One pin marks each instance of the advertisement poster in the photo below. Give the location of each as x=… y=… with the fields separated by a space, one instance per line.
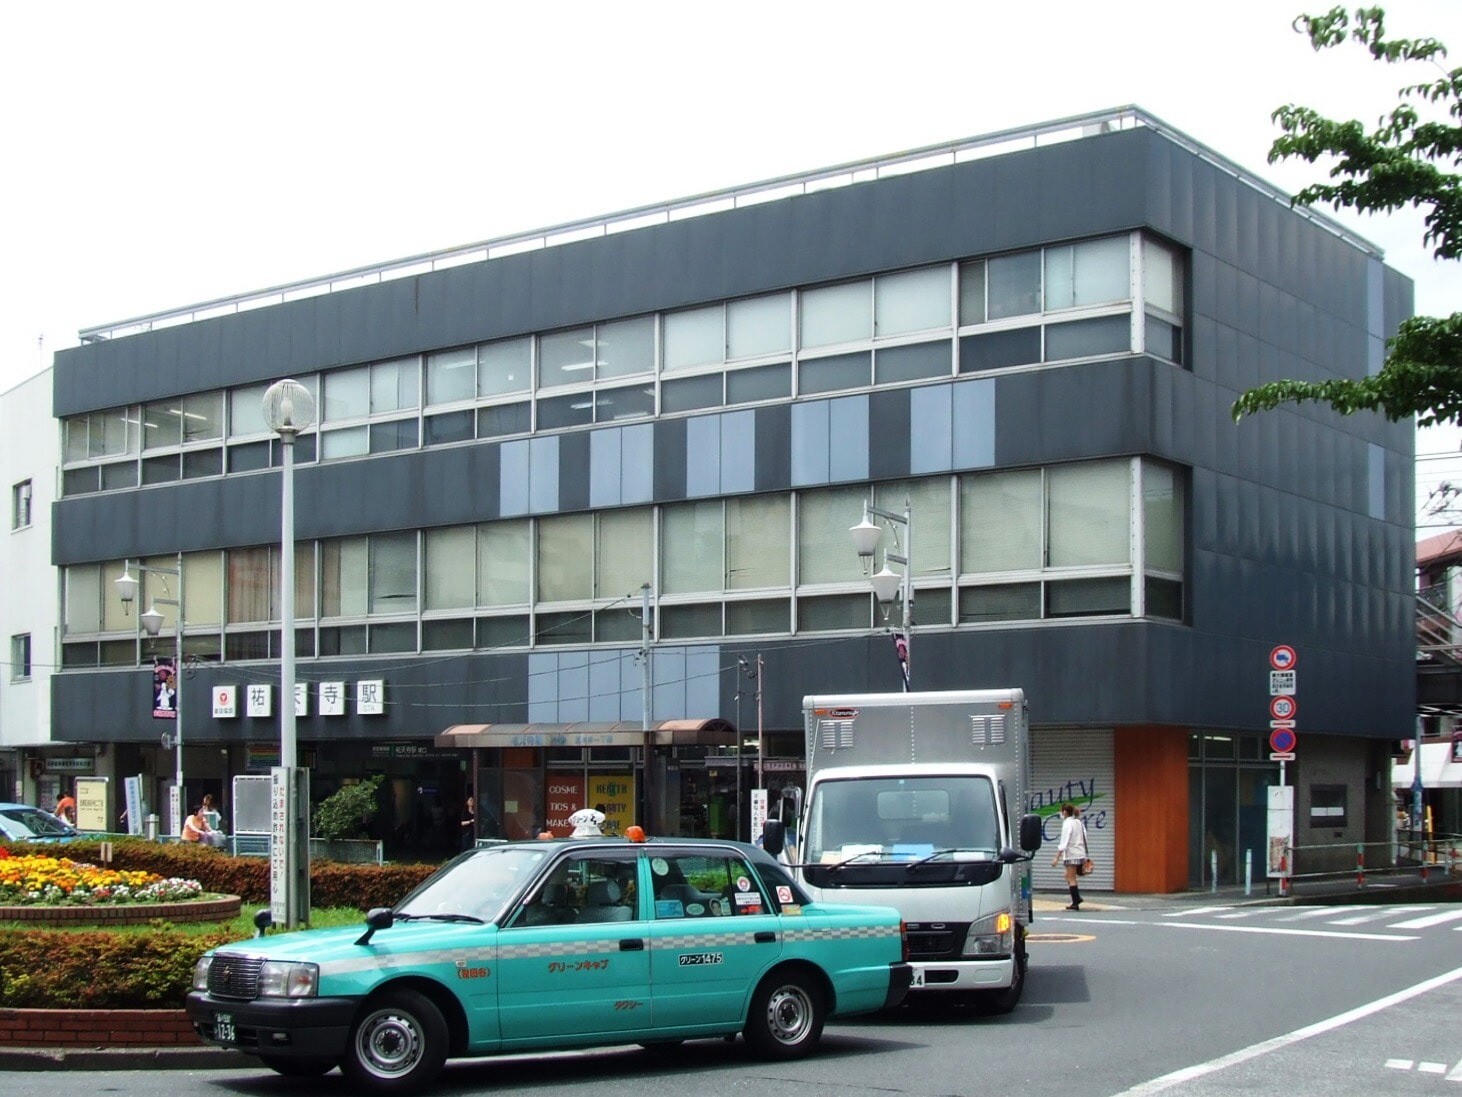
x=614 y=795
x=92 y=804
x=564 y=796
x=1280 y=831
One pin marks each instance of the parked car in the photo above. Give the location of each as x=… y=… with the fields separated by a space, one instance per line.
x=527 y=946
x=23 y=823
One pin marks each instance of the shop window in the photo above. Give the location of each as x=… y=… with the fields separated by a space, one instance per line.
x=1327 y=806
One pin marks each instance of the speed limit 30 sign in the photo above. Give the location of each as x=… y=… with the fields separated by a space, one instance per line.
x=1283 y=707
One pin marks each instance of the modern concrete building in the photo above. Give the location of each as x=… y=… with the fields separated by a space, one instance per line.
x=1031 y=340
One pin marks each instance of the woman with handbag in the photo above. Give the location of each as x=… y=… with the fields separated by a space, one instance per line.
x=1072 y=850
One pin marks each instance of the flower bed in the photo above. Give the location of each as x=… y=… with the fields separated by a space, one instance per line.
x=57 y=881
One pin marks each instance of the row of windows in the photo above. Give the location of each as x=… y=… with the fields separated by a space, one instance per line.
x=1053 y=304
x=1097 y=538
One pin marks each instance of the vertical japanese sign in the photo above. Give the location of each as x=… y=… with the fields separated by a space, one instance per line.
x=758 y=813
x=164 y=690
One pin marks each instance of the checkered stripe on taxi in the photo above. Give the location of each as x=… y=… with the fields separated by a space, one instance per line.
x=401 y=960
x=576 y=947
x=841 y=933
x=708 y=939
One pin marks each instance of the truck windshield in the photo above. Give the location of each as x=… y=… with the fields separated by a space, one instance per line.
x=900 y=818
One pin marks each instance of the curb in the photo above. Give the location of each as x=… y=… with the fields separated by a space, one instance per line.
x=201 y=1058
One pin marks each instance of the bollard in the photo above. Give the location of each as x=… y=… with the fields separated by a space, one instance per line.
x=1213 y=869
x=1284 y=872
x=1248 y=872
x=149 y=827
x=1360 y=865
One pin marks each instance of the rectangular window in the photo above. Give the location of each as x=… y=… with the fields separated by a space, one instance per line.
x=1000 y=520
x=565 y=357
x=759 y=326
x=1087 y=514
x=824 y=552
x=841 y=371
x=912 y=363
x=450 y=568
x=1327 y=806
x=249 y=583
x=1162 y=276
x=1014 y=285
x=1162 y=517
x=972 y=292
x=395 y=386
x=344 y=569
x=837 y=314
x=625 y=347
x=202 y=415
x=20 y=505
x=999 y=349
x=690 y=547
x=691 y=393
x=1096 y=272
x=83 y=599
x=1003 y=602
x=1089 y=598
x=1087 y=338
x=347 y=394
x=695 y=337
x=914 y=300
x=623 y=552
x=745 y=386
x=393 y=572
x=503 y=564
x=246 y=411
x=565 y=547
x=758 y=542
x=451 y=375
x=20 y=657
x=501 y=420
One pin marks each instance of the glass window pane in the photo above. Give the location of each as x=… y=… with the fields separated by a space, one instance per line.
x=451 y=375
x=695 y=337
x=207 y=462
x=1088 y=597
x=1081 y=338
x=394 y=385
x=123 y=474
x=502 y=367
x=1164 y=340
x=629 y=402
x=691 y=547
x=564 y=628
x=246 y=411
x=1014 y=284
x=347 y=394
x=565 y=545
x=841 y=371
x=1162 y=517
x=683 y=622
x=393 y=572
x=504 y=419
x=824 y=548
x=913 y=300
x=454 y=635
x=758 y=542
x=1087 y=514
x=764 y=615
x=202 y=414
x=1162 y=276
x=502 y=632
x=836 y=314
x=203 y=588
x=114 y=432
x=161 y=470
x=617 y=625
x=1164 y=598
x=304 y=582
x=1000 y=522
x=1007 y=602
x=343 y=641
x=80 y=481
x=502 y=564
x=249 y=583
x=744 y=386
x=624 y=552
x=451 y=426
x=566 y=357
x=625 y=347
x=894 y=364
x=691 y=393
x=77 y=431
x=1094 y=272
x=343 y=565
x=928 y=501
x=841 y=611
x=162 y=424
x=451 y=567
x=83 y=598
x=573 y=410
x=758 y=326
x=999 y=349
x=350 y=442
x=116 y=616
x=393 y=637
x=389 y=437
x=972 y=292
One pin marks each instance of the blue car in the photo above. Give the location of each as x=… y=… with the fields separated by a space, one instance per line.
x=23 y=823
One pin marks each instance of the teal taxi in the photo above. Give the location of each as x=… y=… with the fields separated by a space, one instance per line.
x=544 y=945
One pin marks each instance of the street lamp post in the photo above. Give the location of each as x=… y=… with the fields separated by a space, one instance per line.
x=289 y=409
x=151 y=621
x=889 y=584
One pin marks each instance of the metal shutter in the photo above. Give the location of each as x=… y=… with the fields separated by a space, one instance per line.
x=1074 y=764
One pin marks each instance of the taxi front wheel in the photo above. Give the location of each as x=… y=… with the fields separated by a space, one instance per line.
x=397 y=1045
x=786 y=1016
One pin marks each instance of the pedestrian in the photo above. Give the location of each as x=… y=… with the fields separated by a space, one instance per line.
x=211 y=812
x=66 y=808
x=197 y=830
x=1072 y=850
x=545 y=833
x=469 y=821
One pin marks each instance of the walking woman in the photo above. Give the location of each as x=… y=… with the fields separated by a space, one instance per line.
x=1072 y=850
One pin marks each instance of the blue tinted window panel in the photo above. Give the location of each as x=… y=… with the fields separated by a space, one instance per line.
x=772 y=615
x=1166 y=341
x=738 y=451
x=630 y=402
x=573 y=684
x=389 y=437
x=690 y=622
x=604 y=466
x=604 y=686
x=1085 y=338
x=974 y=424
x=703 y=682
x=667 y=696
x=453 y=426
x=691 y=393
x=745 y=386
x=631 y=685
x=513 y=478
x=637 y=463
x=810 y=443
x=124 y=474
x=501 y=420
x=703 y=456
x=573 y=410
x=914 y=363
x=998 y=349
x=848 y=438
x=543 y=475
x=207 y=462
x=246 y=458
x=842 y=371
x=931 y=426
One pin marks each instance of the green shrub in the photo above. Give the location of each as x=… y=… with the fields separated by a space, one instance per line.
x=348 y=811
x=54 y=969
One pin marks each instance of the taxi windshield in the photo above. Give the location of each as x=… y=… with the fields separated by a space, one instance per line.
x=477 y=884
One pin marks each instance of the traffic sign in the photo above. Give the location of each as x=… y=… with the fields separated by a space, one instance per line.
x=1282 y=683
x=1283 y=708
x=1280 y=756
x=1282 y=740
x=1283 y=657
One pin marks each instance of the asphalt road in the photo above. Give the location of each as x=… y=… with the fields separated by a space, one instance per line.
x=1183 y=999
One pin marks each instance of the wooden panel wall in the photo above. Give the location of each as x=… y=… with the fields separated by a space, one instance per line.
x=1152 y=787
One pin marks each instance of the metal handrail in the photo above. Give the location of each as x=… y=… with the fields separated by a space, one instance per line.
x=1438 y=631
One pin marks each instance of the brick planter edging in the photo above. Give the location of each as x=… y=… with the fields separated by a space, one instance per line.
x=96 y=1028
x=220 y=909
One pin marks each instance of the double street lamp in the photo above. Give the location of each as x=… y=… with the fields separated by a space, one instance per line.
x=888 y=584
x=152 y=621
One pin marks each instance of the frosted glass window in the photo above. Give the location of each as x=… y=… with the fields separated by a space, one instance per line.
x=203 y=588
x=116 y=615
x=758 y=542
x=824 y=548
x=929 y=501
x=624 y=552
x=1091 y=273
x=1086 y=514
x=914 y=300
x=565 y=547
x=76 y=445
x=393 y=572
x=696 y=337
x=246 y=411
x=162 y=424
x=451 y=567
x=836 y=314
x=691 y=547
x=502 y=563
x=395 y=386
x=972 y=292
x=451 y=375
x=202 y=414
x=1162 y=517
x=1083 y=338
x=343 y=577
x=249 y=585
x=503 y=367
x=566 y=357
x=1000 y=522
x=350 y=442
x=759 y=325
x=625 y=347
x=1162 y=276
x=1014 y=285
x=83 y=598
x=347 y=394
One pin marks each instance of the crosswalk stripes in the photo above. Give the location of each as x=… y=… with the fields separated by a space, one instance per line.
x=1427 y=920
x=1396 y=918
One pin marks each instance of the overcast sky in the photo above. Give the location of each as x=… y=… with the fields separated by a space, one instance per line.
x=161 y=154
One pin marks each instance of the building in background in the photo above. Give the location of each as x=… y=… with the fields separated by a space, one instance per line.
x=1032 y=340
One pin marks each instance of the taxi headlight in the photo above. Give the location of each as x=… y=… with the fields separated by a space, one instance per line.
x=285 y=979
x=991 y=936
x=200 y=973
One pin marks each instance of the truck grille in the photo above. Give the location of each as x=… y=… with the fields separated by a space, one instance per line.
x=936 y=940
x=231 y=976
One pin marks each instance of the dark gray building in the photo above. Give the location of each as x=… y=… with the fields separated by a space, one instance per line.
x=1036 y=349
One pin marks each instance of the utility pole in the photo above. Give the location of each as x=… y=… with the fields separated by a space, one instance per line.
x=647 y=685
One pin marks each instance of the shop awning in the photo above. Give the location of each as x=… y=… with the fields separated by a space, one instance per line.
x=1438 y=767
x=714 y=732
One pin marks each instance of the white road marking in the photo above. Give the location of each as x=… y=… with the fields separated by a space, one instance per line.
x=1456 y=1075
x=1238 y=914
x=1361 y=919
x=1253 y=1051
x=1313 y=912
x=1273 y=930
x=1192 y=911
x=1399 y=1064
x=1432 y=1068
x=1430 y=920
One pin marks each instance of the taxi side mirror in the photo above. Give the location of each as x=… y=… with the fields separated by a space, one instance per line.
x=1030 y=833
x=774 y=836
x=376 y=918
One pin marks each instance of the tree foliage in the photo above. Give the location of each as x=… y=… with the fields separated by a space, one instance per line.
x=348 y=811
x=1403 y=161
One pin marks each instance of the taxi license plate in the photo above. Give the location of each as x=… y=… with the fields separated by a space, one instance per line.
x=918 y=977
x=223 y=1027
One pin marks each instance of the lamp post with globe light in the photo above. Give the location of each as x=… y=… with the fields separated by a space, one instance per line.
x=888 y=584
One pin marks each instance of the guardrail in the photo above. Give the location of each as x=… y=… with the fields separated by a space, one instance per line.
x=1410 y=853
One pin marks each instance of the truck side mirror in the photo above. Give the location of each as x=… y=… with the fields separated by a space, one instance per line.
x=1030 y=833
x=774 y=836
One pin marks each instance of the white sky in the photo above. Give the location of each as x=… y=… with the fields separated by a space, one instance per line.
x=161 y=154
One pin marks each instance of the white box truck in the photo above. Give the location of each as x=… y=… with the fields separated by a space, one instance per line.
x=917 y=801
